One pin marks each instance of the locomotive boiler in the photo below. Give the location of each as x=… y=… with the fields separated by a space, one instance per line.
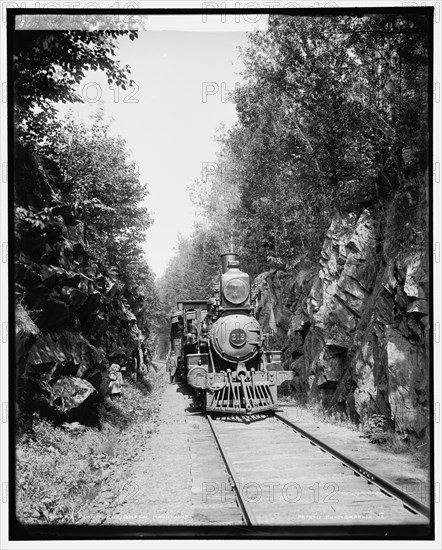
x=220 y=348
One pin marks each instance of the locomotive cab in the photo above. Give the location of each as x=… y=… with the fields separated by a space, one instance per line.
x=187 y=327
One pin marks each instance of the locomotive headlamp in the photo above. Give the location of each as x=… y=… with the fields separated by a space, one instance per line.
x=236 y=291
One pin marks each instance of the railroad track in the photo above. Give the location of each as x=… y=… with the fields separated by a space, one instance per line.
x=159 y=363
x=282 y=475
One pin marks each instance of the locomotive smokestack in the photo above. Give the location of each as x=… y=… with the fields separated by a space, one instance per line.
x=226 y=258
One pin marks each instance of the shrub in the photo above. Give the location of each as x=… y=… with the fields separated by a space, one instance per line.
x=377 y=429
x=59 y=470
x=53 y=474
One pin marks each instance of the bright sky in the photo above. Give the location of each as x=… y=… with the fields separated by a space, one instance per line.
x=168 y=121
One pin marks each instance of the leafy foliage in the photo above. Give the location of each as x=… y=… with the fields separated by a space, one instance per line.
x=76 y=187
x=60 y=471
x=48 y=64
x=376 y=429
x=192 y=274
x=332 y=116
x=91 y=170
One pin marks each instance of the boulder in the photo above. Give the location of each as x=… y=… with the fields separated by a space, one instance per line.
x=98 y=377
x=66 y=351
x=71 y=399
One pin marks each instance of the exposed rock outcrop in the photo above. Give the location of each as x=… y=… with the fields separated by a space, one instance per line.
x=354 y=331
x=72 y=317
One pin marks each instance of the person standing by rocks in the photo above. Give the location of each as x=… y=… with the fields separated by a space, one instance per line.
x=116 y=381
x=172 y=364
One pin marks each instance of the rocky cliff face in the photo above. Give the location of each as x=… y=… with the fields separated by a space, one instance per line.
x=72 y=318
x=355 y=331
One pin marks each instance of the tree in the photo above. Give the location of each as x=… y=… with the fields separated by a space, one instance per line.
x=91 y=170
x=48 y=64
x=193 y=272
x=331 y=117
x=142 y=295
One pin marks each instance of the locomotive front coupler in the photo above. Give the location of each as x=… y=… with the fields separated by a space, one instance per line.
x=241 y=369
x=241 y=374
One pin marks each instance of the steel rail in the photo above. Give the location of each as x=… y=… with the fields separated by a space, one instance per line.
x=383 y=484
x=248 y=514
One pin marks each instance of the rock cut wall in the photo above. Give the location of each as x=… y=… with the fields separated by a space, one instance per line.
x=355 y=331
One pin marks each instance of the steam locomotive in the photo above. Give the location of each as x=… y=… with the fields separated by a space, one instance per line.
x=220 y=350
